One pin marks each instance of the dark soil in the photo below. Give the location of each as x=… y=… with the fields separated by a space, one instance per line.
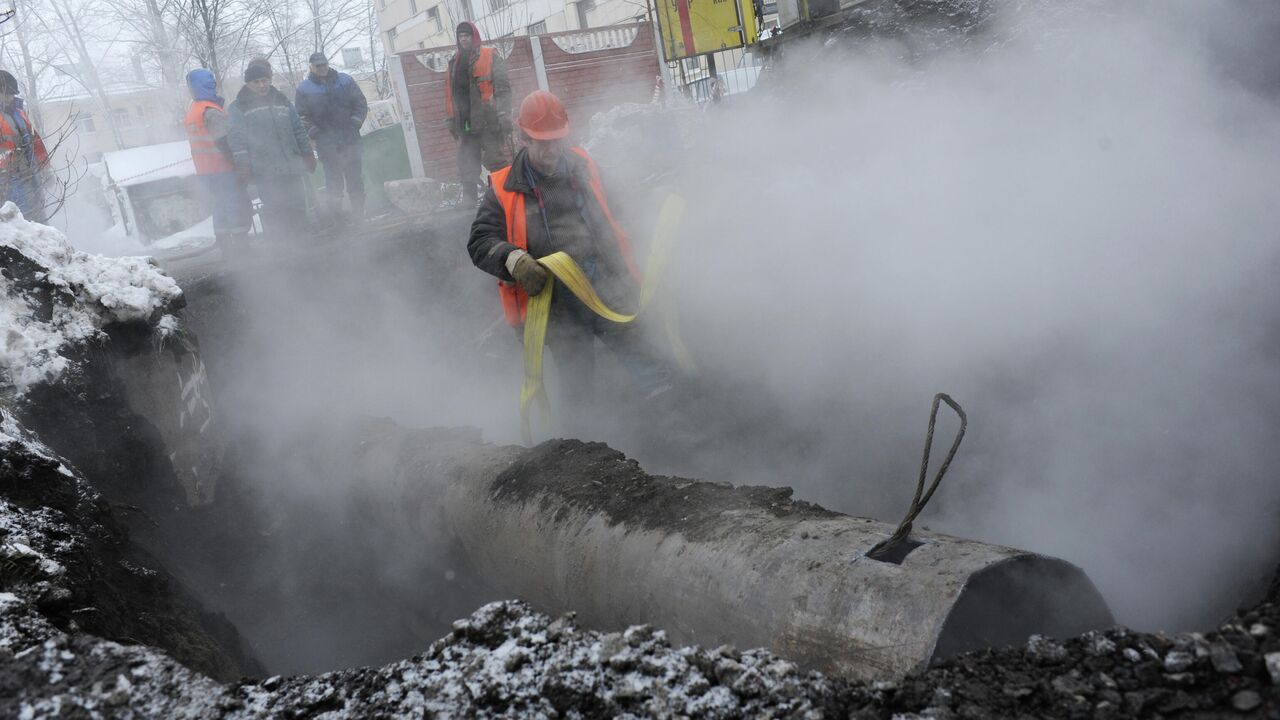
x=111 y=588
x=593 y=476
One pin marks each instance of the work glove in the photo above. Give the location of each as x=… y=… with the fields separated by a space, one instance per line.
x=309 y=159
x=529 y=275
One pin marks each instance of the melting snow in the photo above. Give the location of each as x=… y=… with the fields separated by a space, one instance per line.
x=90 y=291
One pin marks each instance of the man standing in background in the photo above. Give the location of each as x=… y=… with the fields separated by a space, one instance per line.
x=478 y=102
x=271 y=149
x=207 y=127
x=23 y=157
x=332 y=109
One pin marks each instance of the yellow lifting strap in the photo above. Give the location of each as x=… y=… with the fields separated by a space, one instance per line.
x=563 y=268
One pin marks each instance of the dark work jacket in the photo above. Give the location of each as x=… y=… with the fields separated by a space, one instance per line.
x=332 y=108
x=266 y=135
x=466 y=96
x=596 y=249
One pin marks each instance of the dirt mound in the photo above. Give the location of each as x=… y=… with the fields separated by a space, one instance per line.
x=1119 y=673
x=508 y=661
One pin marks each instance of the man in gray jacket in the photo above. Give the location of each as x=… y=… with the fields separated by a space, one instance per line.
x=271 y=149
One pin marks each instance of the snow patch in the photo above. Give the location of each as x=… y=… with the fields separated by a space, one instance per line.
x=90 y=291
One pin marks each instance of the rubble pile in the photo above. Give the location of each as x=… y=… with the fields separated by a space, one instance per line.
x=1233 y=671
x=508 y=661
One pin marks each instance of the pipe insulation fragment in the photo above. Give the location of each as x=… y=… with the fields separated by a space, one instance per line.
x=575 y=526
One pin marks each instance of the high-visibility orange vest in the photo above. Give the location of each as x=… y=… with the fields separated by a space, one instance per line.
x=10 y=139
x=205 y=153
x=481 y=75
x=514 y=300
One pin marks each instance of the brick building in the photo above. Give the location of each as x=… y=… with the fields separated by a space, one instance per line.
x=591 y=71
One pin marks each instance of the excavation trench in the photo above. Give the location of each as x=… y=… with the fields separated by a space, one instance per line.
x=338 y=540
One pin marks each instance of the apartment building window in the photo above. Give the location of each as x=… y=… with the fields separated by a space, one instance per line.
x=433 y=17
x=86 y=125
x=391 y=39
x=496 y=5
x=352 y=57
x=584 y=7
x=538 y=28
x=122 y=118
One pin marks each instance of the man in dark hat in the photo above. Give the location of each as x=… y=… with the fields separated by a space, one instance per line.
x=333 y=108
x=270 y=147
x=23 y=158
x=477 y=99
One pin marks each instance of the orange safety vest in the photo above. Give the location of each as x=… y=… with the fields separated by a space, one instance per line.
x=514 y=300
x=481 y=75
x=9 y=139
x=205 y=153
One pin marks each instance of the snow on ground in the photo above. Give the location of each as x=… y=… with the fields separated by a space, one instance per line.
x=66 y=299
x=197 y=235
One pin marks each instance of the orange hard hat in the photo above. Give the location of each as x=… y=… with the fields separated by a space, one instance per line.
x=542 y=117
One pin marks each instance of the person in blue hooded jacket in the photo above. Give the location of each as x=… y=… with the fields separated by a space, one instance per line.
x=332 y=109
x=208 y=126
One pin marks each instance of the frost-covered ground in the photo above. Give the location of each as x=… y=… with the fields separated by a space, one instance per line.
x=508 y=661
x=55 y=298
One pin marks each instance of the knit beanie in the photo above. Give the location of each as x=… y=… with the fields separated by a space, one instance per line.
x=257 y=70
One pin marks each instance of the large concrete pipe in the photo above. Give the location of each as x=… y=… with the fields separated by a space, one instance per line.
x=573 y=526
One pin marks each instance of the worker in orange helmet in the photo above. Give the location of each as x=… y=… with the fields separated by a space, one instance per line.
x=551 y=199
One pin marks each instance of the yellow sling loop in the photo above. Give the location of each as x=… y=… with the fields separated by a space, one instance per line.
x=563 y=268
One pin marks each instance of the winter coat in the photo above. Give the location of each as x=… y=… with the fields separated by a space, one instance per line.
x=332 y=108
x=467 y=101
x=23 y=160
x=212 y=124
x=597 y=250
x=266 y=136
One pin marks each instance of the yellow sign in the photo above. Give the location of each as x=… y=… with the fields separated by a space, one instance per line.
x=696 y=27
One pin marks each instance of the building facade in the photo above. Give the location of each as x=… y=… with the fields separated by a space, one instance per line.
x=406 y=25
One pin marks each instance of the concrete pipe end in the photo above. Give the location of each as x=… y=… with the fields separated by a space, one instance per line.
x=1008 y=602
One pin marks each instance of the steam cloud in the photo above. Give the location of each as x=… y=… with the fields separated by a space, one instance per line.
x=1069 y=223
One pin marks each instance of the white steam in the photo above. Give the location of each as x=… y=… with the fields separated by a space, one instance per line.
x=1070 y=225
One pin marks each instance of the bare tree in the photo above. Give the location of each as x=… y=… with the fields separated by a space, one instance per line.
x=217 y=30
x=64 y=171
x=75 y=23
x=152 y=28
x=288 y=36
x=27 y=51
x=337 y=23
x=378 y=59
